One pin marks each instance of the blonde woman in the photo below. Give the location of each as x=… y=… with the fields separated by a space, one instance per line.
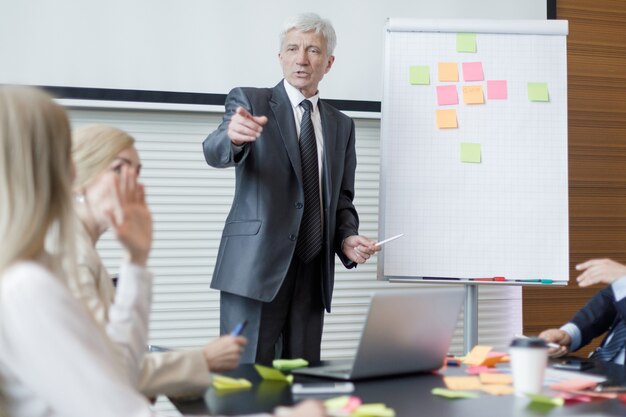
x=100 y=152
x=54 y=359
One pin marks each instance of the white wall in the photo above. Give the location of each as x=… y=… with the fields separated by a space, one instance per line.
x=206 y=46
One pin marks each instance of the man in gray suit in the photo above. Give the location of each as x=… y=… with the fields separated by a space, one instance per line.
x=295 y=162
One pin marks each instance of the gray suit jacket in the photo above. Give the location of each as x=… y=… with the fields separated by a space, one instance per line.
x=260 y=234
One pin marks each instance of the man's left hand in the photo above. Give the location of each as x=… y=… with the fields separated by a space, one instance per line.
x=359 y=248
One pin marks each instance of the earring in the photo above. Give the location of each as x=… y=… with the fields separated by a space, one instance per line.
x=80 y=198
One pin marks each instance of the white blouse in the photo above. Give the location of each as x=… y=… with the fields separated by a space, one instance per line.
x=54 y=359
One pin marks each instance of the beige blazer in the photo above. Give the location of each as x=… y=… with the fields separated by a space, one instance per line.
x=169 y=373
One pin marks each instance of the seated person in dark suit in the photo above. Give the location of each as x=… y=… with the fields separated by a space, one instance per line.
x=606 y=311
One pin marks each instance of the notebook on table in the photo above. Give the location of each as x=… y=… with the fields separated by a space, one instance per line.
x=405 y=331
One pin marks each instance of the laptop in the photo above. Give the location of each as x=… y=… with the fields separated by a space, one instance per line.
x=405 y=331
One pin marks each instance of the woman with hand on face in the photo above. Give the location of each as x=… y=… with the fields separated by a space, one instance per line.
x=101 y=153
x=54 y=359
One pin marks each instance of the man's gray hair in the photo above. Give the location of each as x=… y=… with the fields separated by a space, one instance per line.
x=307 y=22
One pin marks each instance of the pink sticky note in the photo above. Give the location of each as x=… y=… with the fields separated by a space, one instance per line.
x=447 y=95
x=473 y=71
x=496 y=90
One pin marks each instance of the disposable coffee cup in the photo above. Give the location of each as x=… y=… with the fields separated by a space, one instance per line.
x=529 y=358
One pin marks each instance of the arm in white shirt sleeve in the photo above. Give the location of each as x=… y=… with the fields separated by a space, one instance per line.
x=574 y=333
x=619 y=289
x=57 y=351
x=129 y=317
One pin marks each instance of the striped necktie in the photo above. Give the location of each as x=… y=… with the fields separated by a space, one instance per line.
x=310 y=235
x=609 y=351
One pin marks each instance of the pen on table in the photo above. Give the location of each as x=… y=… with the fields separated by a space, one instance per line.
x=550 y=344
x=382 y=242
x=238 y=329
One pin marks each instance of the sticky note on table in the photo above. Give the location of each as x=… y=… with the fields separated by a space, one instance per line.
x=288 y=364
x=466 y=383
x=448 y=71
x=494 y=378
x=498 y=389
x=419 y=75
x=270 y=374
x=446 y=119
x=223 y=383
x=547 y=400
x=473 y=71
x=466 y=42
x=538 y=92
x=478 y=354
x=373 y=410
x=442 y=392
x=470 y=152
x=473 y=94
x=496 y=90
x=447 y=95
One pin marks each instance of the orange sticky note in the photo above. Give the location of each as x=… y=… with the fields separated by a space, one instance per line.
x=446 y=119
x=498 y=389
x=473 y=94
x=494 y=378
x=462 y=383
x=448 y=71
x=494 y=358
x=478 y=355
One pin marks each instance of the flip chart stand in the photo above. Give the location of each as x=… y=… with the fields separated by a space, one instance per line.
x=470 y=318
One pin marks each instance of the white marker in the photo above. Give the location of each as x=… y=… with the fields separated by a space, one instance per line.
x=382 y=242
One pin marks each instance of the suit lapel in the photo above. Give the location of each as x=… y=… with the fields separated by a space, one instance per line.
x=283 y=113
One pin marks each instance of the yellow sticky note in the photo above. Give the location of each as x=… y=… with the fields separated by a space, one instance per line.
x=478 y=354
x=222 y=383
x=446 y=119
x=373 y=410
x=442 y=392
x=538 y=92
x=448 y=71
x=419 y=75
x=270 y=374
x=473 y=94
x=498 y=389
x=462 y=383
x=287 y=364
x=494 y=378
x=470 y=152
x=466 y=42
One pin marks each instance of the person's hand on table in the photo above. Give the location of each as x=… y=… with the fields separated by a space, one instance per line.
x=559 y=337
x=306 y=408
x=224 y=353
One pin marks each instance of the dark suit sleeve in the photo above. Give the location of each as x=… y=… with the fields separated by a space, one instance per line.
x=347 y=219
x=217 y=147
x=597 y=316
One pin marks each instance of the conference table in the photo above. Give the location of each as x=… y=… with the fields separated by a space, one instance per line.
x=409 y=395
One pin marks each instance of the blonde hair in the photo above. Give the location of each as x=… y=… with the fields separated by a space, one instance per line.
x=35 y=175
x=94 y=148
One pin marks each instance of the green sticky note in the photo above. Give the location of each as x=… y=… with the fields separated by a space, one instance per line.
x=547 y=400
x=466 y=42
x=448 y=393
x=470 y=152
x=419 y=75
x=538 y=92
x=270 y=374
x=287 y=364
x=373 y=410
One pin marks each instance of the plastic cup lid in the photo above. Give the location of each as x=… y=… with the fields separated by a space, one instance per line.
x=529 y=342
